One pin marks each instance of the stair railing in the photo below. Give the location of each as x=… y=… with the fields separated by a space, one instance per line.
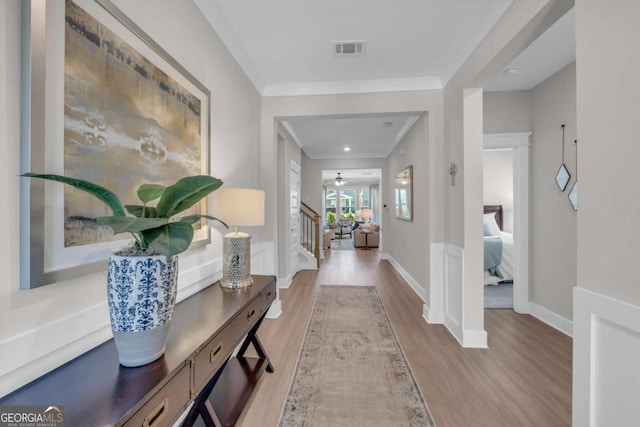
x=310 y=230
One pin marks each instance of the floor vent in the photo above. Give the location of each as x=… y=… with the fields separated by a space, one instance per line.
x=350 y=48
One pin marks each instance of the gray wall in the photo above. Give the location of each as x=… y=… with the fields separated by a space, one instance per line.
x=553 y=221
x=288 y=151
x=40 y=329
x=515 y=118
x=608 y=92
x=408 y=241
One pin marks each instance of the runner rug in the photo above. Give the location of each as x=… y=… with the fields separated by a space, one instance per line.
x=351 y=370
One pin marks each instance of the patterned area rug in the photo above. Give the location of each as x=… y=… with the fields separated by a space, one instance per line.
x=342 y=245
x=351 y=370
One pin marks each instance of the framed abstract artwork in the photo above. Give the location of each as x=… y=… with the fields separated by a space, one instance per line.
x=105 y=103
x=403 y=187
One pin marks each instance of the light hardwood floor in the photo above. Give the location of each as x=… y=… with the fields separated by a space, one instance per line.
x=523 y=379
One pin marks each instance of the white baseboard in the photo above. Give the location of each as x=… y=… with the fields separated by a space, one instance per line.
x=413 y=283
x=431 y=316
x=606 y=349
x=275 y=310
x=552 y=319
x=285 y=282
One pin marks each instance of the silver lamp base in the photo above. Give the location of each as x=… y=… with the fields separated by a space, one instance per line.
x=236 y=264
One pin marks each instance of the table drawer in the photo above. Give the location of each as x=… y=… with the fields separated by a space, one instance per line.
x=220 y=347
x=267 y=296
x=167 y=404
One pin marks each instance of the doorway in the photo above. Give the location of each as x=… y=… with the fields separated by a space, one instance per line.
x=518 y=145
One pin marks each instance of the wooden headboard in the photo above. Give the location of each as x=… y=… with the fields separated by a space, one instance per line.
x=498 y=211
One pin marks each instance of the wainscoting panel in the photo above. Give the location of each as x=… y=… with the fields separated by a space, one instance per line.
x=453 y=304
x=606 y=347
x=434 y=312
x=47 y=346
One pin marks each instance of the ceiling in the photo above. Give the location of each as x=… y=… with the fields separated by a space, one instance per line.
x=286 y=48
x=351 y=177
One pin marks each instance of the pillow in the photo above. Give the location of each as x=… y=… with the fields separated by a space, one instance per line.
x=491 y=225
x=485 y=229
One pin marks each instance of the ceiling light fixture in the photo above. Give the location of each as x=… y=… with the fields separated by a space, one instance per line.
x=339 y=182
x=510 y=71
x=347 y=148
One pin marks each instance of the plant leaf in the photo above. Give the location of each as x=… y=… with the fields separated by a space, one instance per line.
x=170 y=239
x=129 y=224
x=186 y=193
x=149 y=211
x=106 y=196
x=150 y=192
x=192 y=219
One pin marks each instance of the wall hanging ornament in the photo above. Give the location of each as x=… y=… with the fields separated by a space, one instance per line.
x=563 y=176
x=573 y=194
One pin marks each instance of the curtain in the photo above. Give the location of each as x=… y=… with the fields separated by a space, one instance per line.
x=375 y=204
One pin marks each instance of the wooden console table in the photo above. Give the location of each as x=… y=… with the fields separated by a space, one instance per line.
x=198 y=367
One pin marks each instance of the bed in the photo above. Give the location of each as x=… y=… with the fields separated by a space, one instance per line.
x=493 y=224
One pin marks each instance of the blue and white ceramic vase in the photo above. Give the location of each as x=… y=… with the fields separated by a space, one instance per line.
x=141 y=294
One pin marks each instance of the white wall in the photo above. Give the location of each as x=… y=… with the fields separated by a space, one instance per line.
x=42 y=328
x=498 y=183
x=607 y=300
x=553 y=221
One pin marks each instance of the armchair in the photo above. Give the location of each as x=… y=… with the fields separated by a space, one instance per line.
x=343 y=227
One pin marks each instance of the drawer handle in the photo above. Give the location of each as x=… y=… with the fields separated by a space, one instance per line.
x=251 y=313
x=215 y=352
x=154 y=418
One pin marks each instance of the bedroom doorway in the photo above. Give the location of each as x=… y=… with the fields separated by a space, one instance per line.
x=518 y=145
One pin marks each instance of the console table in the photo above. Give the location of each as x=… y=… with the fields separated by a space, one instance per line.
x=197 y=367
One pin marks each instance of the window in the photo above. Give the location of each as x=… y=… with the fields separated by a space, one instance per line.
x=345 y=201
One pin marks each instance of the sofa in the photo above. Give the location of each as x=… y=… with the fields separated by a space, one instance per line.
x=360 y=237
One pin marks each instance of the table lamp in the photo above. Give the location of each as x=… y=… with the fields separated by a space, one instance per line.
x=238 y=207
x=366 y=214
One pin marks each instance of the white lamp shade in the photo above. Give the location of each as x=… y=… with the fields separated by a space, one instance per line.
x=238 y=206
x=366 y=214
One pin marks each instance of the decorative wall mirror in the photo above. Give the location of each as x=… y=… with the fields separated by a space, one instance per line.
x=403 y=184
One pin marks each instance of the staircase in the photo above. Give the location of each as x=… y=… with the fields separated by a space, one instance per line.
x=310 y=238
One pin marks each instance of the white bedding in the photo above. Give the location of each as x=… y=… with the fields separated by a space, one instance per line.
x=506 y=266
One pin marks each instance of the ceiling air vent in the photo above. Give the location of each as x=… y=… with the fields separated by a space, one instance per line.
x=351 y=48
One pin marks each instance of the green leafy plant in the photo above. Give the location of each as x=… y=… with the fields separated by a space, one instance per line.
x=331 y=217
x=349 y=215
x=153 y=227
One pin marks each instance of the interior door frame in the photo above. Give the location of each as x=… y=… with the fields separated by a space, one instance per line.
x=518 y=142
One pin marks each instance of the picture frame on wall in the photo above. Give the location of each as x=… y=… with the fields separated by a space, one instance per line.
x=403 y=189
x=103 y=102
